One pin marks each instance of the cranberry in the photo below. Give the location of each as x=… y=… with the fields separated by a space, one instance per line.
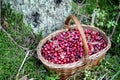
x=67 y=47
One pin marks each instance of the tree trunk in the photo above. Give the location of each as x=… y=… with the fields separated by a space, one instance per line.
x=42 y=15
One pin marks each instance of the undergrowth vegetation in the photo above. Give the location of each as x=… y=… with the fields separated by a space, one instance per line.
x=106 y=15
x=11 y=55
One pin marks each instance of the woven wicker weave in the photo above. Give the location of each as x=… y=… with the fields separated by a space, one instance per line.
x=87 y=61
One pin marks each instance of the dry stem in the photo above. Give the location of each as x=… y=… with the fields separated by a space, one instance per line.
x=115 y=25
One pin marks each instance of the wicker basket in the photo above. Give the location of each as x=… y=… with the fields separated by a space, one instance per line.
x=87 y=61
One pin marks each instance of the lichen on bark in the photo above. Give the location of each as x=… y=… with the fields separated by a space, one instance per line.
x=43 y=15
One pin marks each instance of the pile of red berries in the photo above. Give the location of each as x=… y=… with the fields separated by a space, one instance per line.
x=67 y=47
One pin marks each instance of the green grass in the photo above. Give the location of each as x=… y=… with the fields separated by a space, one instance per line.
x=11 y=56
x=110 y=66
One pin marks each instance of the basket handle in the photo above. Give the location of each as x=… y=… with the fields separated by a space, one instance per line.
x=67 y=25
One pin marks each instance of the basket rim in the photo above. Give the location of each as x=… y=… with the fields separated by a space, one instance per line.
x=80 y=62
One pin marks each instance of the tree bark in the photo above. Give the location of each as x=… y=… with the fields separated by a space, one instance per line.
x=42 y=15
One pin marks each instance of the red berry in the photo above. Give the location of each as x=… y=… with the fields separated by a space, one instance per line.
x=67 y=47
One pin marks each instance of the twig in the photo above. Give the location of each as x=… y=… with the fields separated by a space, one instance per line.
x=12 y=38
x=24 y=48
x=0 y=27
x=32 y=53
x=28 y=51
x=22 y=63
x=93 y=17
x=101 y=78
x=115 y=75
x=115 y=25
x=82 y=2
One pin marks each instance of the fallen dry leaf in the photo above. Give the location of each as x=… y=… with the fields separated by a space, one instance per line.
x=5 y=24
x=24 y=78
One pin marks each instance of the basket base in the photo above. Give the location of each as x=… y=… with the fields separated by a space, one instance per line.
x=65 y=74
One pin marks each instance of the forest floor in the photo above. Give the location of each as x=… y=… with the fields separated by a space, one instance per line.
x=14 y=33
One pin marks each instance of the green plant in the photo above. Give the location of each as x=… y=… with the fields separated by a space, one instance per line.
x=108 y=69
x=11 y=55
x=89 y=75
x=118 y=39
x=110 y=24
x=105 y=19
x=116 y=74
x=52 y=76
x=100 y=18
